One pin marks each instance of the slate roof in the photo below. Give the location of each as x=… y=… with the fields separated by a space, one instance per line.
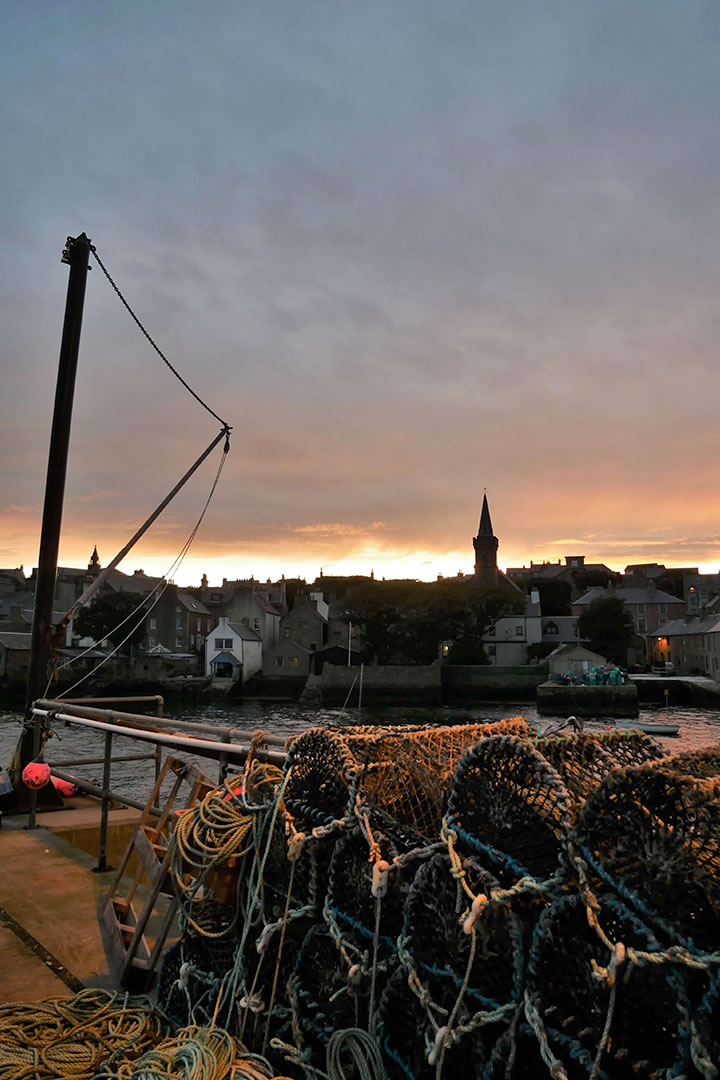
x=225 y=657
x=246 y=633
x=192 y=604
x=266 y=605
x=641 y=595
x=677 y=627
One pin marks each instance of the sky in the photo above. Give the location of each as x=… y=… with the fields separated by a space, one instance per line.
x=410 y=251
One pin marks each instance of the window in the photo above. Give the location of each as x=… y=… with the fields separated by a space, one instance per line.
x=293 y=661
x=663 y=609
x=215 y=597
x=286 y=632
x=256 y=624
x=178 y=610
x=279 y=661
x=152 y=642
x=228 y=642
x=178 y=623
x=219 y=642
x=641 y=609
x=192 y=641
x=197 y=625
x=551 y=628
x=153 y=623
x=178 y=643
x=642 y=626
x=491 y=650
x=491 y=632
x=518 y=631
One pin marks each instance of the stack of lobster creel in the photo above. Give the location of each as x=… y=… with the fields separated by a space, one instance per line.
x=458 y=901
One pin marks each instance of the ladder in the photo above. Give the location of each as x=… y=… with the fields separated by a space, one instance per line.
x=132 y=961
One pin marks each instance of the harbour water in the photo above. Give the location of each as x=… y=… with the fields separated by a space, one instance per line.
x=697 y=728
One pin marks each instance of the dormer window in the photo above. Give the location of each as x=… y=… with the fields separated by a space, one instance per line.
x=551 y=628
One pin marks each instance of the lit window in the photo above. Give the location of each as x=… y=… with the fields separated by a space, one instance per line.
x=293 y=661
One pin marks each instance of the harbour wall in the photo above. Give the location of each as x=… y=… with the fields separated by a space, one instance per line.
x=432 y=684
x=489 y=682
x=554 y=699
x=401 y=684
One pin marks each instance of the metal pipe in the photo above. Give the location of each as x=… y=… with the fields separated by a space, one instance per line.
x=92 y=789
x=76 y=254
x=101 y=760
x=201 y=747
x=104 y=574
x=102 y=864
x=156 y=699
x=158 y=722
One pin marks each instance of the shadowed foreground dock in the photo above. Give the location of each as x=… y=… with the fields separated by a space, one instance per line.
x=50 y=938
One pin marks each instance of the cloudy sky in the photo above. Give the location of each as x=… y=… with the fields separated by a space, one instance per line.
x=409 y=250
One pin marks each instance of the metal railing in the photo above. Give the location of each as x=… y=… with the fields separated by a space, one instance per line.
x=226 y=745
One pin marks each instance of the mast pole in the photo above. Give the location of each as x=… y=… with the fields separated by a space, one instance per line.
x=76 y=255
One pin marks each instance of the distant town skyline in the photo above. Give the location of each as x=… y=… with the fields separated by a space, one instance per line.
x=409 y=250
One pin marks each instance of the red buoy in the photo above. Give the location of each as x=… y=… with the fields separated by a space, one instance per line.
x=36 y=774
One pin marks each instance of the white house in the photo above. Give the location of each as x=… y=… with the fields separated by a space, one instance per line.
x=506 y=642
x=233 y=651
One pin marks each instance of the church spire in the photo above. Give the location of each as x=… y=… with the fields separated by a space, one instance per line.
x=485 y=528
x=486 y=545
x=94 y=564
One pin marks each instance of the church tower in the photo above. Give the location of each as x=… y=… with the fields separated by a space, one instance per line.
x=94 y=564
x=486 y=545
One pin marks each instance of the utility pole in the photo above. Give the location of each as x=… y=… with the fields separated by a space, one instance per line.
x=76 y=255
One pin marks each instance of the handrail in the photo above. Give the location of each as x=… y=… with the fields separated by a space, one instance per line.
x=149 y=730
x=159 y=722
x=201 y=747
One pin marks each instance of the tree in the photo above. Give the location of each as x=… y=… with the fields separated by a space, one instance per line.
x=103 y=616
x=672 y=581
x=555 y=596
x=608 y=626
x=406 y=621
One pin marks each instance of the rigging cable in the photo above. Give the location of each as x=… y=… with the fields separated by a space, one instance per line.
x=146 y=611
x=156 y=347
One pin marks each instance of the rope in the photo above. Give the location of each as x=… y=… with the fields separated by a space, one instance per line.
x=157 y=349
x=174 y=567
x=365 y=1059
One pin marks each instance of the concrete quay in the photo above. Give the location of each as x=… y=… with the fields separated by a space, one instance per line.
x=50 y=898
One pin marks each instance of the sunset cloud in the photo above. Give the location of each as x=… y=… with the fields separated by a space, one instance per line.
x=409 y=250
